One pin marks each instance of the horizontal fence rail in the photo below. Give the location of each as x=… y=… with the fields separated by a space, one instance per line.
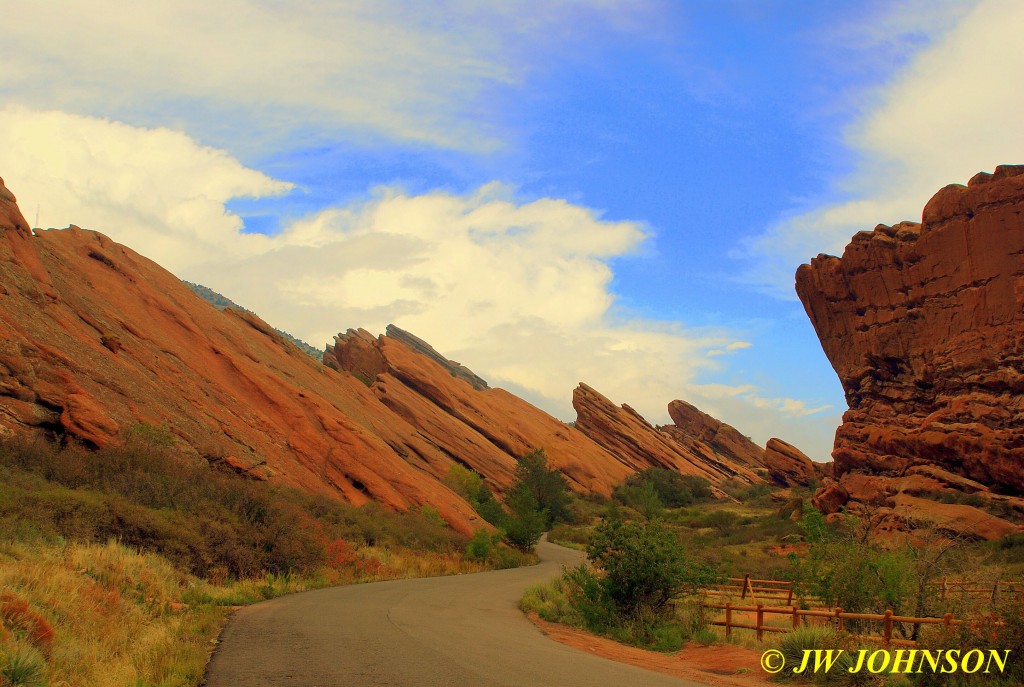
x=836 y=616
x=777 y=597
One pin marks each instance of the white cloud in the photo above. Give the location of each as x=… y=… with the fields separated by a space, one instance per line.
x=951 y=112
x=520 y=291
x=155 y=186
x=249 y=70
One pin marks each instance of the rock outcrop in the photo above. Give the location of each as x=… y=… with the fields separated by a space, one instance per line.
x=691 y=424
x=469 y=423
x=640 y=444
x=95 y=338
x=924 y=324
x=787 y=465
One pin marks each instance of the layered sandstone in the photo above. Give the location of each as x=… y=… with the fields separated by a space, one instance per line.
x=468 y=422
x=640 y=445
x=787 y=465
x=690 y=424
x=924 y=324
x=95 y=338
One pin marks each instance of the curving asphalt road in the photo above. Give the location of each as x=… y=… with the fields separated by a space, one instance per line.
x=460 y=631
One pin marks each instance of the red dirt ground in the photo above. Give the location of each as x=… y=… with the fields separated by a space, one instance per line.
x=723 y=665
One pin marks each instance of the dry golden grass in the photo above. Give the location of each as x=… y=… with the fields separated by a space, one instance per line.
x=123 y=618
x=116 y=615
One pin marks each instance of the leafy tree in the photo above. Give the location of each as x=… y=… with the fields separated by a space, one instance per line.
x=644 y=565
x=488 y=508
x=547 y=486
x=527 y=521
x=464 y=482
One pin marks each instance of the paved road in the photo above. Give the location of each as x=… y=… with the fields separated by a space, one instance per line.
x=461 y=631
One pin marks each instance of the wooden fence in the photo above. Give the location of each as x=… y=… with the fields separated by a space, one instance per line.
x=766 y=592
x=781 y=592
x=949 y=589
x=777 y=597
x=836 y=616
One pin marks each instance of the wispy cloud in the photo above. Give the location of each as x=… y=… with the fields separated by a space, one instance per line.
x=252 y=70
x=950 y=112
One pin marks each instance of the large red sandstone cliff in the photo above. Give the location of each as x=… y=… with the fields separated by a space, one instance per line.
x=95 y=338
x=924 y=324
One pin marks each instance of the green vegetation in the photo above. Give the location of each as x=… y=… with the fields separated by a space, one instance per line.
x=657 y=488
x=547 y=487
x=117 y=566
x=537 y=499
x=638 y=569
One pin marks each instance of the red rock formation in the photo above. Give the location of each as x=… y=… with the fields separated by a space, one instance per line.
x=924 y=325
x=787 y=465
x=226 y=384
x=95 y=338
x=640 y=445
x=725 y=440
x=482 y=428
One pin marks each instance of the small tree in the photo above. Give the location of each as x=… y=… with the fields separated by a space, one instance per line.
x=488 y=508
x=526 y=523
x=547 y=486
x=644 y=565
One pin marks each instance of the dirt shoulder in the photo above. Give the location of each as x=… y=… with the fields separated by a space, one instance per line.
x=722 y=665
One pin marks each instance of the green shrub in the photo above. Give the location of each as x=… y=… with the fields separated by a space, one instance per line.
x=644 y=565
x=21 y=665
x=673 y=489
x=480 y=546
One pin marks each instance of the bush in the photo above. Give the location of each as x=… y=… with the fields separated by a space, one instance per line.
x=21 y=665
x=480 y=546
x=641 y=497
x=673 y=489
x=644 y=565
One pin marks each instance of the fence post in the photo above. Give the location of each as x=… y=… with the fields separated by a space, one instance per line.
x=789 y=601
x=839 y=619
x=995 y=592
x=888 y=627
x=760 y=621
x=948 y=618
x=746 y=583
x=728 y=618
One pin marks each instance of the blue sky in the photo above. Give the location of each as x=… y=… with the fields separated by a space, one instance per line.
x=610 y=192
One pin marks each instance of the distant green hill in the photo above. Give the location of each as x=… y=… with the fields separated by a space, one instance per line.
x=220 y=301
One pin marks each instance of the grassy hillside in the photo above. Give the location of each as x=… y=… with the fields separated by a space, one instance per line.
x=117 y=567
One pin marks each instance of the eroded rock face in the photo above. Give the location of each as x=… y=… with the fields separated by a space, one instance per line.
x=469 y=423
x=640 y=445
x=95 y=338
x=725 y=440
x=787 y=465
x=924 y=324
